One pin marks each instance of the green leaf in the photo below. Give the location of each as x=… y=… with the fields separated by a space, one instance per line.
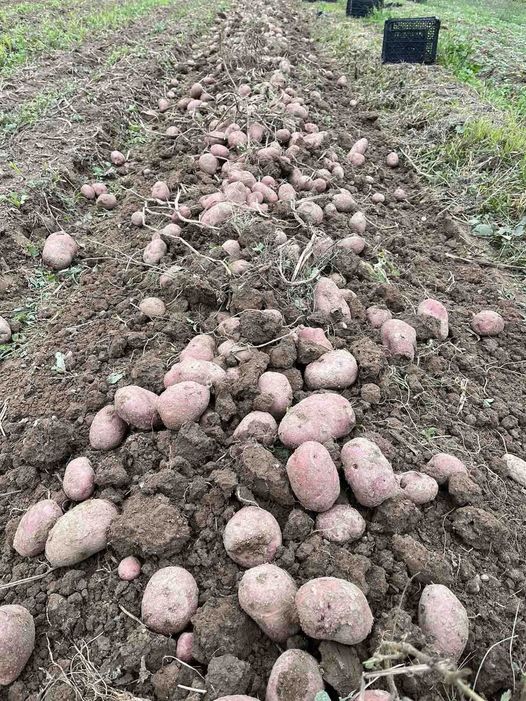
x=322 y=696
x=483 y=230
x=506 y=696
x=114 y=377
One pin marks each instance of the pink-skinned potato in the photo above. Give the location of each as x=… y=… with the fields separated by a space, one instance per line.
x=353 y=243
x=435 y=311
x=358 y=223
x=79 y=479
x=360 y=146
x=217 y=214
x=443 y=620
x=236 y=192
x=152 y=307
x=245 y=177
x=328 y=298
x=286 y=192
x=487 y=323
x=336 y=369
x=334 y=609
x=442 y=465
x=341 y=524
x=313 y=476
x=399 y=338
x=106 y=201
x=418 y=487
x=311 y=334
x=59 y=250
x=182 y=402
x=319 y=417
x=377 y=316
x=344 y=201
x=368 y=472
x=34 y=526
x=208 y=163
x=185 y=647
x=295 y=676
x=160 y=191
x=129 y=569
x=169 y=600
x=259 y=426
x=266 y=594
x=154 y=251
x=310 y=211
x=137 y=407
x=200 y=347
x=278 y=387
x=202 y=371
x=252 y=536
x=17 y=641
x=107 y=430
x=355 y=158
x=80 y=533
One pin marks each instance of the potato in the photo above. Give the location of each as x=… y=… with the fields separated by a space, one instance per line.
x=184 y=649
x=313 y=476
x=314 y=140
x=202 y=371
x=311 y=212
x=252 y=536
x=59 y=250
x=167 y=278
x=107 y=429
x=88 y=192
x=286 y=192
x=99 y=188
x=319 y=185
x=377 y=316
x=17 y=641
x=341 y=524
x=163 y=104
x=338 y=172
x=435 y=311
x=268 y=193
x=106 y=201
x=160 y=191
x=358 y=222
x=278 y=387
x=334 y=609
x=516 y=468
x=129 y=569
x=283 y=136
x=399 y=338
x=368 y=472
x=194 y=106
x=356 y=159
x=443 y=620
x=229 y=328
x=377 y=198
x=442 y=466
x=237 y=697
x=232 y=247
x=328 y=298
x=256 y=131
x=80 y=533
x=259 y=426
x=360 y=146
x=152 y=307
x=215 y=137
x=138 y=407
x=138 y=219
x=208 y=163
x=295 y=676
x=417 y=487
x=196 y=90
x=79 y=479
x=266 y=594
x=219 y=151
x=169 y=600
x=172 y=132
x=373 y=695
x=297 y=110
x=5 y=330
x=217 y=214
x=336 y=369
x=200 y=347
x=210 y=200
x=344 y=201
x=319 y=417
x=242 y=176
x=269 y=181
x=33 y=529
x=237 y=139
x=154 y=251
x=392 y=159
x=400 y=194
x=117 y=158
x=311 y=335
x=182 y=402
x=487 y=323
x=355 y=243
x=238 y=267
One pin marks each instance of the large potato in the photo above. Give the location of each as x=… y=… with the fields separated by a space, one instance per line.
x=79 y=479
x=442 y=466
x=59 y=250
x=341 y=524
x=334 y=609
x=295 y=676
x=313 y=476
x=252 y=536
x=202 y=371
x=399 y=338
x=334 y=370
x=80 y=533
x=169 y=600
x=320 y=417
x=368 y=472
x=328 y=299
x=443 y=620
x=107 y=429
x=17 y=641
x=266 y=593
x=259 y=426
x=278 y=387
x=138 y=407
x=33 y=529
x=487 y=323
x=185 y=401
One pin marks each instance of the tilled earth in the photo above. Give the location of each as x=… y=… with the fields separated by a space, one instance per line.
x=177 y=489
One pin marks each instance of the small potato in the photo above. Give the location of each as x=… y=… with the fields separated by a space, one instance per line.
x=417 y=487
x=194 y=106
x=217 y=214
x=286 y=193
x=99 y=188
x=238 y=267
x=106 y=201
x=229 y=328
x=59 y=250
x=319 y=417
x=185 y=646
x=516 y=468
x=200 y=371
x=297 y=110
x=487 y=323
x=154 y=252
x=328 y=298
x=400 y=194
x=399 y=338
x=368 y=472
x=88 y=192
x=80 y=533
x=138 y=218
x=313 y=476
x=172 y=132
x=269 y=181
x=344 y=202
x=435 y=311
x=311 y=212
x=256 y=131
x=283 y=136
x=237 y=697
x=237 y=139
x=392 y=159
x=5 y=330
x=358 y=222
x=219 y=151
x=268 y=154
x=360 y=146
x=315 y=140
x=169 y=600
x=152 y=307
x=266 y=594
x=252 y=536
x=79 y=479
x=182 y=402
x=259 y=426
x=242 y=176
x=373 y=695
x=443 y=620
x=200 y=347
x=232 y=247
x=163 y=104
x=341 y=524
x=442 y=466
x=308 y=334
x=33 y=529
x=17 y=641
x=196 y=91
x=334 y=609
x=210 y=200
x=295 y=676
x=356 y=159
x=268 y=193
x=208 y=163
x=138 y=407
x=160 y=191
x=334 y=370
x=278 y=387
x=377 y=316
x=107 y=429
x=129 y=569
x=377 y=198
x=117 y=158
x=236 y=192
x=356 y=244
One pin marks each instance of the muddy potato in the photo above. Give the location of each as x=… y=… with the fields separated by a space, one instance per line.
x=154 y=251
x=368 y=472
x=377 y=316
x=169 y=600
x=310 y=211
x=5 y=330
x=33 y=529
x=313 y=476
x=59 y=250
x=79 y=479
x=266 y=594
x=328 y=298
x=334 y=609
x=515 y=468
x=182 y=402
x=344 y=201
x=252 y=536
x=278 y=387
x=392 y=159
x=443 y=620
x=80 y=533
x=487 y=323
x=237 y=697
x=442 y=466
x=202 y=371
x=129 y=569
x=17 y=641
x=259 y=426
x=152 y=307
x=160 y=191
x=117 y=158
x=294 y=676
x=217 y=214
x=99 y=188
x=417 y=487
x=399 y=338
x=184 y=649
x=200 y=347
x=334 y=370
x=341 y=524
x=88 y=191
x=137 y=407
x=353 y=243
x=106 y=201
x=435 y=310
x=319 y=417
x=286 y=192
x=107 y=429
x=208 y=163
x=373 y=695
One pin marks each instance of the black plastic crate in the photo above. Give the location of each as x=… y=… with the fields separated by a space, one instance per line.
x=410 y=40
x=362 y=8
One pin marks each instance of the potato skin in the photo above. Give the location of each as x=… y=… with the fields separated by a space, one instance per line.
x=443 y=620
x=334 y=370
x=137 y=407
x=277 y=385
x=259 y=426
x=80 y=533
x=418 y=487
x=107 y=429
x=17 y=641
x=59 y=250
x=341 y=524
x=433 y=309
x=487 y=323
x=79 y=479
x=328 y=298
x=399 y=338
x=334 y=609
x=319 y=417
x=266 y=594
x=169 y=600
x=442 y=466
x=185 y=401
x=295 y=676
x=33 y=529
x=313 y=476
x=368 y=472
x=129 y=569
x=252 y=536
x=201 y=347
x=237 y=697
x=201 y=371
